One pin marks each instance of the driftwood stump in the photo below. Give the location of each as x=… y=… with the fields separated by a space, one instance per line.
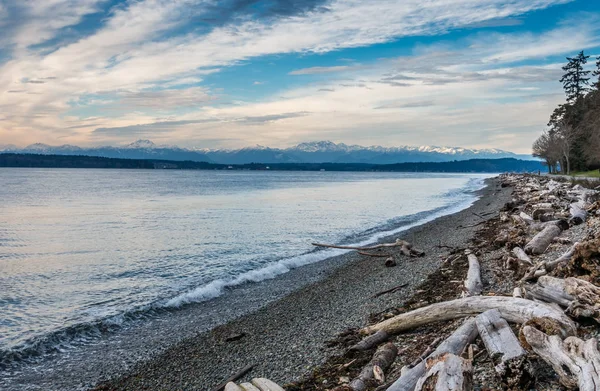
x=576 y=362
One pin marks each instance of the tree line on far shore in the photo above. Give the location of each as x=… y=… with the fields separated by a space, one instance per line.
x=571 y=141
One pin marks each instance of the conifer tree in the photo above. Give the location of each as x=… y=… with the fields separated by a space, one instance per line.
x=597 y=72
x=575 y=81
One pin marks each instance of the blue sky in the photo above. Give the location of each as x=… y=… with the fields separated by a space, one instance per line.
x=233 y=73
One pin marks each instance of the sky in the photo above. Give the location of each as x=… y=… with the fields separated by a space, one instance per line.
x=235 y=73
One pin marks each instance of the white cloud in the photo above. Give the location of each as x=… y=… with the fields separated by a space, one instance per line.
x=130 y=53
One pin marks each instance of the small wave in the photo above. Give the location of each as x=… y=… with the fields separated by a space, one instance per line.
x=69 y=337
x=217 y=288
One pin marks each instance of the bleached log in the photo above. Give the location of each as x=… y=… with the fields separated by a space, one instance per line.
x=512 y=309
x=580 y=298
x=576 y=362
x=578 y=214
x=543 y=205
x=405 y=247
x=542 y=240
x=503 y=347
x=522 y=256
x=266 y=385
x=248 y=387
x=381 y=361
x=448 y=372
x=473 y=284
x=455 y=344
x=231 y=386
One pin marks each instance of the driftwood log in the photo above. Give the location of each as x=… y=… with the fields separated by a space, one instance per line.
x=545 y=267
x=448 y=372
x=371 y=341
x=405 y=247
x=512 y=309
x=542 y=240
x=455 y=344
x=473 y=284
x=578 y=213
x=233 y=377
x=580 y=298
x=522 y=256
x=374 y=370
x=504 y=349
x=576 y=362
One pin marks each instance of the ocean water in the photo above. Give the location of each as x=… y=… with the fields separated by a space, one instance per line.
x=85 y=251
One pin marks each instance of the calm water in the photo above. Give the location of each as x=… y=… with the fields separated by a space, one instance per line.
x=83 y=249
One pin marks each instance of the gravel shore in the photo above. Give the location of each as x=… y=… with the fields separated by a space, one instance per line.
x=287 y=338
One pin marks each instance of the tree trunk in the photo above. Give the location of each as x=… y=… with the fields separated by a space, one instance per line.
x=455 y=344
x=512 y=309
x=447 y=373
x=576 y=362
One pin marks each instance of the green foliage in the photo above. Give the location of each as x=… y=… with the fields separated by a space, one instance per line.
x=575 y=81
x=572 y=139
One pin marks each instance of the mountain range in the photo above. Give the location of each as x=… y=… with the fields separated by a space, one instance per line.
x=309 y=152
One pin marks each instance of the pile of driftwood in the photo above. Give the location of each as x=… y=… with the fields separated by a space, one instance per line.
x=552 y=297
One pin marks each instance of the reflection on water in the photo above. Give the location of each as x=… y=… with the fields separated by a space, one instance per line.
x=81 y=245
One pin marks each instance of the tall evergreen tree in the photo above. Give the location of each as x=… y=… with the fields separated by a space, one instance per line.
x=597 y=73
x=575 y=81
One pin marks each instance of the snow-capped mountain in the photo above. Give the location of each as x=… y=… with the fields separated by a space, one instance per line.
x=308 y=152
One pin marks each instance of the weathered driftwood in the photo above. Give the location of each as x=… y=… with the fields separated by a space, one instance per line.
x=542 y=240
x=526 y=218
x=426 y=353
x=405 y=247
x=455 y=344
x=545 y=267
x=517 y=292
x=249 y=387
x=504 y=349
x=266 y=385
x=473 y=284
x=233 y=377
x=576 y=362
x=578 y=213
x=522 y=256
x=371 y=341
x=512 y=309
x=580 y=298
x=374 y=370
x=448 y=372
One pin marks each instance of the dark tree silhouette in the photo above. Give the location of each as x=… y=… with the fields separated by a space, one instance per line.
x=597 y=73
x=575 y=81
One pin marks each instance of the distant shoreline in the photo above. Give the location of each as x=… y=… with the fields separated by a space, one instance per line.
x=22 y=160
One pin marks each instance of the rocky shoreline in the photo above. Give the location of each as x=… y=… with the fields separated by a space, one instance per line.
x=292 y=337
